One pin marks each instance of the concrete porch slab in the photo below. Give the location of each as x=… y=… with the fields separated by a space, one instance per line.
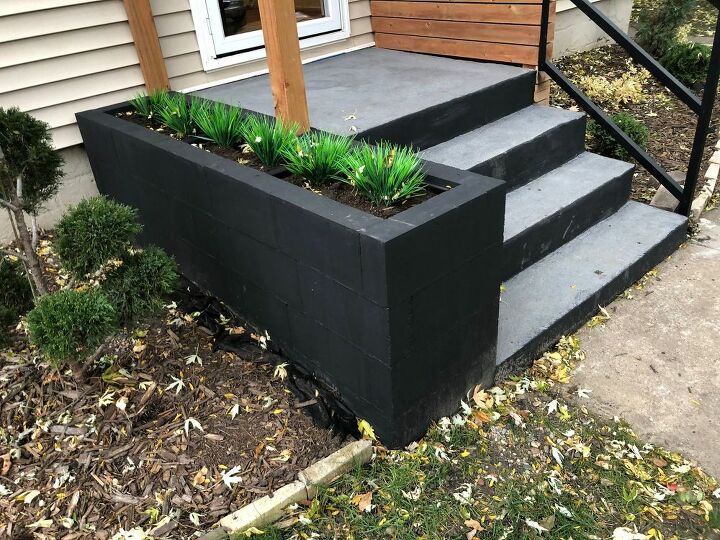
x=369 y=88
x=656 y=362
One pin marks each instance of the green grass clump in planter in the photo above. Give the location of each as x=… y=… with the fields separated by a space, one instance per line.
x=177 y=114
x=96 y=230
x=221 y=124
x=317 y=157
x=148 y=106
x=137 y=286
x=269 y=139
x=605 y=144
x=385 y=174
x=66 y=325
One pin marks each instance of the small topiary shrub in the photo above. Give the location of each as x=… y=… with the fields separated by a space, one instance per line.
x=136 y=287
x=688 y=61
x=385 y=174
x=95 y=231
x=604 y=143
x=269 y=139
x=658 y=29
x=626 y=89
x=317 y=157
x=221 y=124
x=66 y=325
x=15 y=294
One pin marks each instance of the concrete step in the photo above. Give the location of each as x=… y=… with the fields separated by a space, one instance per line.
x=518 y=147
x=551 y=210
x=557 y=294
x=406 y=98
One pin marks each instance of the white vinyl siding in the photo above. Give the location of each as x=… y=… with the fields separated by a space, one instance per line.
x=58 y=57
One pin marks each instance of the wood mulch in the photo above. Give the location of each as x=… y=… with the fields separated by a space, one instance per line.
x=671 y=123
x=168 y=432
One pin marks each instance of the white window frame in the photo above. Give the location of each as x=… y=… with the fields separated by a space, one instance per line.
x=340 y=12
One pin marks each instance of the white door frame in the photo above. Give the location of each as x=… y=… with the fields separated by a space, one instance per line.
x=207 y=21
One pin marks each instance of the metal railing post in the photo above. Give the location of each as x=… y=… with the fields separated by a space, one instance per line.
x=703 y=125
x=544 y=22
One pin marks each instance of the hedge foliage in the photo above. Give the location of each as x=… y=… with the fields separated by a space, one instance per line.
x=15 y=295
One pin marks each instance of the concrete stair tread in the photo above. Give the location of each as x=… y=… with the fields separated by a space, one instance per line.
x=561 y=291
x=470 y=149
x=544 y=197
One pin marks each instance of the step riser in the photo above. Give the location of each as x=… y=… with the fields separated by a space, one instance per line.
x=532 y=244
x=532 y=159
x=583 y=311
x=435 y=125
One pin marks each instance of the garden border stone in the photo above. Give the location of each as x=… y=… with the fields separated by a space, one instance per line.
x=711 y=178
x=270 y=508
x=396 y=317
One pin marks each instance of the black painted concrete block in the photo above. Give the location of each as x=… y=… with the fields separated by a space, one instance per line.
x=397 y=316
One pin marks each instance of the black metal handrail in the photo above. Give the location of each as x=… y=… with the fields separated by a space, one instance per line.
x=701 y=107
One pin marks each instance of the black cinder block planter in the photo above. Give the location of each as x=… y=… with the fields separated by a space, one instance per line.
x=398 y=316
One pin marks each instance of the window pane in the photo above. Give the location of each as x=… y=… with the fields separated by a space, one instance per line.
x=240 y=16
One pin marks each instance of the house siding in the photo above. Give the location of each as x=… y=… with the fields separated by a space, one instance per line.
x=58 y=57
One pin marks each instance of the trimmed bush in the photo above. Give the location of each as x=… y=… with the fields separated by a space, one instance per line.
x=95 y=231
x=385 y=174
x=221 y=124
x=317 y=157
x=604 y=143
x=269 y=139
x=15 y=294
x=137 y=286
x=688 y=61
x=658 y=29
x=66 y=325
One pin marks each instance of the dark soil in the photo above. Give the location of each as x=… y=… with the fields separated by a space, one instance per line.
x=337 y=191
x=120 y=448
x=671 y=123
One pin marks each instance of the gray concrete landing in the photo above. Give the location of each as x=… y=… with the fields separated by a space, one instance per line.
x=656 y=363
x=365 y=89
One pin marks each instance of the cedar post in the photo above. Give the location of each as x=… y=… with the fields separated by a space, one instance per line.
x=147 y=44
x=282 y=47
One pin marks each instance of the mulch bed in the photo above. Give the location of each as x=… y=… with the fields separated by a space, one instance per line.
x=337 y=191
x=168 y=431
x=671 y=123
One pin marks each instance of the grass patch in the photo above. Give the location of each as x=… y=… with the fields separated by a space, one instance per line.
x=520 y=461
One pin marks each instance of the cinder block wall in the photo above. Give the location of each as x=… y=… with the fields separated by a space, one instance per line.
x=78 y=184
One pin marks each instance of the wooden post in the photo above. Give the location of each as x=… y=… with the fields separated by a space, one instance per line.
x=282 y=47
x=147 y=44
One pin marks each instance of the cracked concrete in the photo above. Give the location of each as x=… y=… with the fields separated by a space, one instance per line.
x=656 y=362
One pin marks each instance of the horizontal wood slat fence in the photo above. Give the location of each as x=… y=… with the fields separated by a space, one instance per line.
x=494 y=30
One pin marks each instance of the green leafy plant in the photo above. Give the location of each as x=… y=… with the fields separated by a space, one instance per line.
x=15 y=294
x=604 y=143
x=222 y=124
x=385 y=174
x=688 y=61
x=30 y=174
x=269 y=139
x=66 y=324
x=658 y=29
x=96 y=230
x=136 y=287
x=177 y=113
x=317 y=157
x=147 y=105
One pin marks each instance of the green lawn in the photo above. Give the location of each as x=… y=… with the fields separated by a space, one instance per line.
x=518 y=461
